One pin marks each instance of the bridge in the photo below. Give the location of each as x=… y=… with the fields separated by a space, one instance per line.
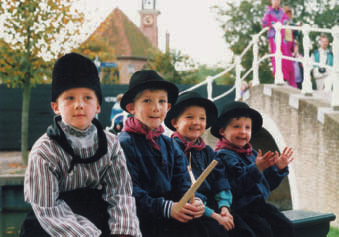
x=304 y=119
x=311 y=127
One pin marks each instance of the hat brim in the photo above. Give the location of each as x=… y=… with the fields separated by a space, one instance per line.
x=237 y=112
x=209 y=106
x=172 y=92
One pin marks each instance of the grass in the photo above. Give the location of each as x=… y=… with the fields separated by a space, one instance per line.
x=334 y=232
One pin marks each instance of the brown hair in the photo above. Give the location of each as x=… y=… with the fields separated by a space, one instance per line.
x=287 y=9
x=323 y=35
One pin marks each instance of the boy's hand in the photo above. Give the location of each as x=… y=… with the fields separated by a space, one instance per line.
x=269 y=159
x=285 y=158
x=224 y=211
x=226 y=221
x=189 y=211
x=200 y=206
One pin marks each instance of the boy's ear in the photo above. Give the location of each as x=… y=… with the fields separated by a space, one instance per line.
x=174 y=123
x=168 y=106
x=55 y=108
x=130 y=108
x=98 y=108
x=222 y=131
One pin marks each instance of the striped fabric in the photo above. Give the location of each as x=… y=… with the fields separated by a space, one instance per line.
x=47 y=175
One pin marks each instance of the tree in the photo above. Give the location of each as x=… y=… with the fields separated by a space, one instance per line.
x=242 y=19
x=33 y=33
x=98 y=48
x=173 y=65
x=181 y=69
x=164 y=63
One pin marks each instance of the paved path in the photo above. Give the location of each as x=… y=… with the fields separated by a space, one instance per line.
x=11 y=163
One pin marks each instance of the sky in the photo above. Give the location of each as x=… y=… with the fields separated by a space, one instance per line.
x=192 y=25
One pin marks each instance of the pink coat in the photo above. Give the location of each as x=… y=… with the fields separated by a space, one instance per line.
x=272 y=16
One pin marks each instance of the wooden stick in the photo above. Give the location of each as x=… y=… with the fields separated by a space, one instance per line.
x=189 y=168
x=195 y=186
x=192 y=181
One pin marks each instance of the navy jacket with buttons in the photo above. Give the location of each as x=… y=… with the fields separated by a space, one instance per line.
x=248 y=184
x=157 y=175
x=216 y=181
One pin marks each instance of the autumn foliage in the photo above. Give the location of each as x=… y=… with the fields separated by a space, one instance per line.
x=33 y=33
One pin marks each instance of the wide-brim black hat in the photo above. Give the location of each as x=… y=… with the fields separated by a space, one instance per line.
x=75 y=71
x=192 y=98
x=236 y=109
x=148 y=79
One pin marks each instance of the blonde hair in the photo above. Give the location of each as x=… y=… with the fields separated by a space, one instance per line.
x=118 y=98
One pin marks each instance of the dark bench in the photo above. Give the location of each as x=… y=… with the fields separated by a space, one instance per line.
x=12 y=193
x=306 y=223
x=309 y=223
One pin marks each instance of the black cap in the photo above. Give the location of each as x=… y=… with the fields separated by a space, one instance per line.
x=192 y=98
x=75 y=71
x=146 y=79
x=234 y=110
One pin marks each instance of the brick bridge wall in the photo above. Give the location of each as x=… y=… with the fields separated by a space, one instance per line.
x=311 y=127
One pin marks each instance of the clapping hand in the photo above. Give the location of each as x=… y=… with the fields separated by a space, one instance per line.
x=285 y=158
x=267 y=160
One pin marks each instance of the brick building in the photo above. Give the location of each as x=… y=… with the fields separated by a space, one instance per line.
x=131 y=44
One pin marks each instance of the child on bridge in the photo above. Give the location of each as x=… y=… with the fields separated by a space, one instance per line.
x=77 y=180
x=252 y=175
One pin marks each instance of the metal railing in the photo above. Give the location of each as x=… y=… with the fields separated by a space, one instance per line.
x=307 y=62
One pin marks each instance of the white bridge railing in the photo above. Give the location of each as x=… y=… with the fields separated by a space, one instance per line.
x=306 y=61
x=278 y=80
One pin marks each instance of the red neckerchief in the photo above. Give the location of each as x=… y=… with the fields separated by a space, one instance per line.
x=135 y=126
x=188 y=145
x=225 y=144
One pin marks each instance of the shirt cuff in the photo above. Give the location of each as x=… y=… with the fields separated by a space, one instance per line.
x=168 y=208
x=224 y=198
x=208 y=211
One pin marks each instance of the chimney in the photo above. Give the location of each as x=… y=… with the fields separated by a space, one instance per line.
x=167 y=42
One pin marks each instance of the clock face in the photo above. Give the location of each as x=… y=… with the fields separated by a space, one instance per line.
x=148 y=4
x=148 y=20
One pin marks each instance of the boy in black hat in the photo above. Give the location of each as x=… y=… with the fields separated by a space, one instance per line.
x=156 y=163
x=77 y=180
x=189 y=118
x=252 y=175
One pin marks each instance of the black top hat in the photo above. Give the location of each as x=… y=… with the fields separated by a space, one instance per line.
x=234 y=110
x=75 y=71
x=148 y=79
x=191 y=98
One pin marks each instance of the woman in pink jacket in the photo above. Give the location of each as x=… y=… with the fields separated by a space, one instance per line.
x=273 y=15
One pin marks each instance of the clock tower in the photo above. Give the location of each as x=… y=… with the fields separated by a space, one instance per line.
x=148 y=23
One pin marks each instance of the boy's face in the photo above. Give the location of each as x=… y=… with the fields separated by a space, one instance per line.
x=150 y=107
x=238 y=131
x=191 y=124
x=77 y=107
x=323 y=42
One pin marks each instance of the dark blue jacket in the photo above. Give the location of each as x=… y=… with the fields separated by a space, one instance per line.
x=216 y=181
x=157 y=176
x=248 y=184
